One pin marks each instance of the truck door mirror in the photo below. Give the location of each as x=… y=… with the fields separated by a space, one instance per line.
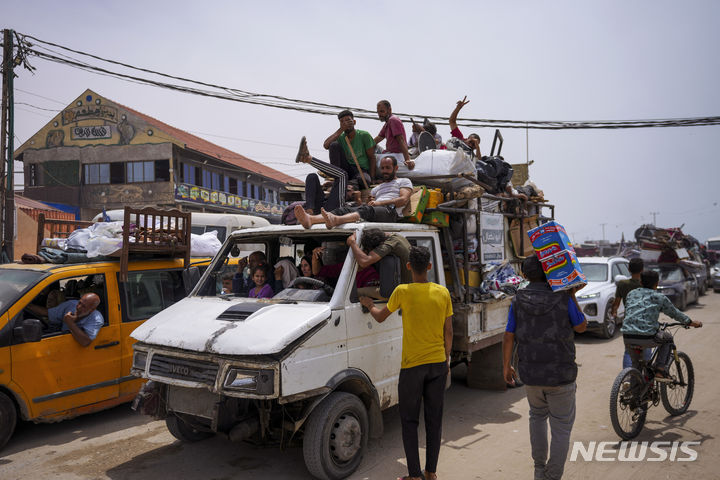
x=30 y=330
x=389 y=268
x=191 y=277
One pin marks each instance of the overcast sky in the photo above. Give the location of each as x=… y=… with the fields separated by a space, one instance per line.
x=520 y=60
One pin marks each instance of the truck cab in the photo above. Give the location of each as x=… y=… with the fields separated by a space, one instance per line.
x=308 y=364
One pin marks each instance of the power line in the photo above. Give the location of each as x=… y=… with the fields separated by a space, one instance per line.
x=277 y=101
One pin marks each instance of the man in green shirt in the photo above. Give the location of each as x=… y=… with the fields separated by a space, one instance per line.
x=363 y=146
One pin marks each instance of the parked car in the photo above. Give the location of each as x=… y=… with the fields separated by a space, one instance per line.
x=678 y=283
x=715 y=275
x=700 y=270
x=597 y=297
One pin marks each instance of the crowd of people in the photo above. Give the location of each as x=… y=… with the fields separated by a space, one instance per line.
x=358 y=164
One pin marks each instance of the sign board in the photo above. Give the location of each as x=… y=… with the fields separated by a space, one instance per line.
x=91 y=132
x=492 y=237
x=204 y=196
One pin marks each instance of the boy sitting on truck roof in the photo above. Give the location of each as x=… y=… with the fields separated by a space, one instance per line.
x=386 y=205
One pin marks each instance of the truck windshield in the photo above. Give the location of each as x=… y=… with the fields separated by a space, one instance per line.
x=13 y=283
x=713 y=245
x=278 y=266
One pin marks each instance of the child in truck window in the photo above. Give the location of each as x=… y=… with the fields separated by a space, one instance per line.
x=261 y=289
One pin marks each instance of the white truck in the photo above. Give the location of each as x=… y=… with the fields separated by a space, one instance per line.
x=309 y=364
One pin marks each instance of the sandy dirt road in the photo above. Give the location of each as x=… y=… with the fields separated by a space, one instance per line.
x=485 y=433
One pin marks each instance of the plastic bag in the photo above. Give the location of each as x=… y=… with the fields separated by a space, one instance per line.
x=205 y=245
x=103 y=246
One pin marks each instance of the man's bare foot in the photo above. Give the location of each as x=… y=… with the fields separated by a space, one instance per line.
x=303 y=155
x=330 y=219
x=302 y=217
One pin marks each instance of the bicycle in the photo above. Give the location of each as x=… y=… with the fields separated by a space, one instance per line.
x=635 y=390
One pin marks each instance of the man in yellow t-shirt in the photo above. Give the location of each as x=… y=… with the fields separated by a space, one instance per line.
x=427 y=342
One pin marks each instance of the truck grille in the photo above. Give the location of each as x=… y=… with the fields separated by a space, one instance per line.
x=182 y=369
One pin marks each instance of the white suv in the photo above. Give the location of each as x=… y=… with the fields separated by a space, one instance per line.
x=597 y=297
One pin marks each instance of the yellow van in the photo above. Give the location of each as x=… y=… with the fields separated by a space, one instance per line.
x=46 y=376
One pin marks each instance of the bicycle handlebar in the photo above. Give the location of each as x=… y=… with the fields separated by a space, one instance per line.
x=664 y=325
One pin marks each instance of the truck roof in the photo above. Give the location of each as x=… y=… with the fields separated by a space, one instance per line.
x=348 y=227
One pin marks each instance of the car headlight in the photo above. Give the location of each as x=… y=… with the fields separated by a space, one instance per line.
x=256 y=381
x=139 y=360
x=589 y=295
x=590 y=309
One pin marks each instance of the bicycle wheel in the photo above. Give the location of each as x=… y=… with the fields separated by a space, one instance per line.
x=627 y=412
x=676 y=396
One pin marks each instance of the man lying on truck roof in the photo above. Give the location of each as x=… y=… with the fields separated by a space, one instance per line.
x=79 y=317
x=387 y=201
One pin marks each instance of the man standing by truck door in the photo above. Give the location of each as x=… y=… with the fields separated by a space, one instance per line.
x=427 y=343
x=542 y=322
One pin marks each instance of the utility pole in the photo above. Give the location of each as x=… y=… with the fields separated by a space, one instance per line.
x=603 y=228
x=653 y=215
x=7 y=148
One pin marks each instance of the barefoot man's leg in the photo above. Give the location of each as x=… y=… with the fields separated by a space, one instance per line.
x=304 y=219
x=332 y=220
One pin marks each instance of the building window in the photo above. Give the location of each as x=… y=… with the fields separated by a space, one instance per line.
x=32 y=175
x=140 y=172
x=188 y=172
x=216 y=181
x=207 y=179
x=231 y=185
x=162 y=170
x=117 y=172
x=96 y=173
x=240 y=187
x=226 y=184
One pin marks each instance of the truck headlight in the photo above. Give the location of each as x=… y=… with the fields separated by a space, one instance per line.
x=589 y=296
x=139 y=360
x=260 y=382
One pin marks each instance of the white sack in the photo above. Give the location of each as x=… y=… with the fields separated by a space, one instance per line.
x=205 y=245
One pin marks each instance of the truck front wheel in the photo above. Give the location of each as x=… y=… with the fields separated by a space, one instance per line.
x=336 y=436
x=184 y=431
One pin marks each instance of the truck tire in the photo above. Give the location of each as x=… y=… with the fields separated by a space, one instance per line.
x=609 y=326
x=336 y=436
x=8 y=419
x=183 y=431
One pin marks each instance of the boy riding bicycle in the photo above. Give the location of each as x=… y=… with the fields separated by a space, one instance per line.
x=641 y=325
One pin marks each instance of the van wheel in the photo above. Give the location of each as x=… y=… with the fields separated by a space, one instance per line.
x=184 y=431
x=8 y=418
x=336 y=436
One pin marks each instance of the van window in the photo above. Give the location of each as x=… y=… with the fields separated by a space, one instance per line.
x=67 y=289
x=200 y=229
x=14 y=284
x=147 y=293
x=430 y=245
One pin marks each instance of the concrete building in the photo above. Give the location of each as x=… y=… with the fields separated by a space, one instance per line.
x=98 y=153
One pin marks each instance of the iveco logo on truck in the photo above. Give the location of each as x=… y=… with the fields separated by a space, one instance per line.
x=180 y=370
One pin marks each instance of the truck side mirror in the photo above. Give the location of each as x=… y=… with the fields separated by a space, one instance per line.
x=30 y=330
x=389 y=268
x=191 y=277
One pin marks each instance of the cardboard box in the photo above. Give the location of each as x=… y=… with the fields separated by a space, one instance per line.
x=414 y=210
x=563 y=270
x=550 y=239
x=517 y=232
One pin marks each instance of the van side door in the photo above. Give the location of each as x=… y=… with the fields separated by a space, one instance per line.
x=57 y=376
